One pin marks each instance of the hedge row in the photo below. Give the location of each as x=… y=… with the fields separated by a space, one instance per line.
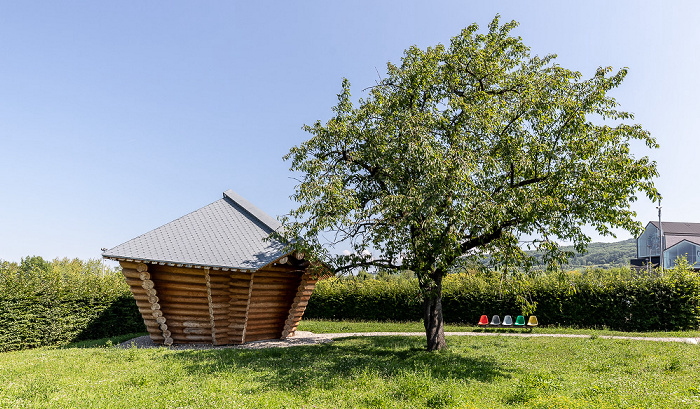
x=54 y=303
x=614 y=299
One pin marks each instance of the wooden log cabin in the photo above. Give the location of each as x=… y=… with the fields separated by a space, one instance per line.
x=209 y=277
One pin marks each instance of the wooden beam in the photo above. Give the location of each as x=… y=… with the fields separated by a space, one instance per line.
x=211 y=306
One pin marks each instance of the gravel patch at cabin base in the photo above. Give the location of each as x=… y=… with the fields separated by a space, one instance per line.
x=309 y=338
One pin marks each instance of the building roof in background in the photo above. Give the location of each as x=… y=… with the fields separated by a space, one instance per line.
x=673 y=240
x=228 y=233
x=679 y=228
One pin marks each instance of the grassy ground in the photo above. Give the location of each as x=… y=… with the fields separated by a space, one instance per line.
x=324 y=326
x=379 y=372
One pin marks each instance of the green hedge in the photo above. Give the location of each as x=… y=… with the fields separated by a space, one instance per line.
x=616 y=299
x=53 y=303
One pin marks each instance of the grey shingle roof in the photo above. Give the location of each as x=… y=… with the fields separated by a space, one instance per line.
x=227 y=233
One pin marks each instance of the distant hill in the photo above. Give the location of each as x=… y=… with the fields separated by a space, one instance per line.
x=604 y=255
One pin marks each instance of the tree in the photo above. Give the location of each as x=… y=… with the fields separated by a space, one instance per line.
x=460 y=152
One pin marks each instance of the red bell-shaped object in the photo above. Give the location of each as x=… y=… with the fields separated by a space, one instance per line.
x=484 y=320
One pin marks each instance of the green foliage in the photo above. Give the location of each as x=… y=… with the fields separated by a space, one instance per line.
x=459 y=152
x=53 y=303
x=615 y=298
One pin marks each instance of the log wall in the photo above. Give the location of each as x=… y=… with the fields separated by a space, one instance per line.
x=205 y=306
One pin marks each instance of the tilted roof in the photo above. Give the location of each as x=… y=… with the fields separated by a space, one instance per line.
x=228 y=233
x=673 y=240
x=679 y=228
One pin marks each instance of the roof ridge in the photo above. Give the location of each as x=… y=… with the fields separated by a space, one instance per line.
x=254 y=211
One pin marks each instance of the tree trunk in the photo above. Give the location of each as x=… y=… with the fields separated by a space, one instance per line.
x=432 y=315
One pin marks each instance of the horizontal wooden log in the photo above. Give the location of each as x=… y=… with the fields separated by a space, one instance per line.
x=201 y=309
x=153 y=327
x=238 y=300
x=183 y=293
x=146 y=311
x=132 y=274
x=162 y=272
x=133 y=282
x=143 y=304
x=295 y=314
x=265 y=312
x=238 y=274
x=184 y=315
x=220 y=292
x=266 y=320
x=188 y=330
x=195 y=338
x=274 y=316
x=279 y=269
x=167 y=299
x=239 y=286
x=277 y=274
x=283 y=283
x=242 y=291
x=267 y=304
x=129 y=265
x=137 y=289
x=269 y=326
x=156 y=336
x=282 y=300
x=166 y=285
x=193 y=324
x=279 y=293
x=202 y=306
x=254 y=321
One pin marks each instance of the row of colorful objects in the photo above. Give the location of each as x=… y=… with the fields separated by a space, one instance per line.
x=508 y=321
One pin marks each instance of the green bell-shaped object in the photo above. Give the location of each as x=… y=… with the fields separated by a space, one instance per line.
x=520 y=320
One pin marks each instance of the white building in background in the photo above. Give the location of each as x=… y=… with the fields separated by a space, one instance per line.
x=679 y=240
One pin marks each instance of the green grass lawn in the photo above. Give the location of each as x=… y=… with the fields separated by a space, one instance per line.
x=375 y=372
x=326 y=326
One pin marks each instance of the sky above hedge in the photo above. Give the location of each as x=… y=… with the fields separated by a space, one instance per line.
x=116 y=118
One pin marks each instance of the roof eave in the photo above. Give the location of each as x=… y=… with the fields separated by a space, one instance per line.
x=178 y=264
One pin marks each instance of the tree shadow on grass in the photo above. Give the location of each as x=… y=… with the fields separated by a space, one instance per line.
x=322 y=365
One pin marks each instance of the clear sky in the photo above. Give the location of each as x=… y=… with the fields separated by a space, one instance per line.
x=118 y=117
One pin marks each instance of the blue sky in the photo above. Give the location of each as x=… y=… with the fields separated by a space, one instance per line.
x=118 y=117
